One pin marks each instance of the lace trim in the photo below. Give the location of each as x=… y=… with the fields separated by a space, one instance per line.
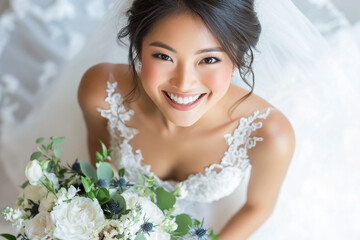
x=201 y=186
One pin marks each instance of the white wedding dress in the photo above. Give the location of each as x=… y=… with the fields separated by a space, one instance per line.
x=219 y=191
x=310 y=72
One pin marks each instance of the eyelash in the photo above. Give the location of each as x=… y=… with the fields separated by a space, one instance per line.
x=167 y=58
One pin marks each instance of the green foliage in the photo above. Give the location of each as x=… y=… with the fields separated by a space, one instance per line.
x=88 y=170
x=122 y=172
x=88 y=186
x=35 y=156
x=57 y=140
x=164 y=199
x=140 y=236
x=8 y=236
x=184 y=223
x=57 y=152
x=101 y=156
x=212 y=235
x=102 y=195
x=40 y=140
x=105 y=172
x=121 y=201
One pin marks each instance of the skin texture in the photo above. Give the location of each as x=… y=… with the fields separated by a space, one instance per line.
x=176 y=143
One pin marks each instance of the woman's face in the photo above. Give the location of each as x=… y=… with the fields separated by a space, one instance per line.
x=184 y=70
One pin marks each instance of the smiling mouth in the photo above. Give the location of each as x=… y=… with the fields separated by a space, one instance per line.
x=189 y=100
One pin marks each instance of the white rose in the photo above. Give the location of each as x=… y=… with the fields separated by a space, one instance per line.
x=47 y=203
x=77 y=219
x=34 y=193
x=53 y=179
x=38 y=227
x=33 y=172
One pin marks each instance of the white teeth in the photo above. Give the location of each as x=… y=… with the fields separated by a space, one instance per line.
x=185 y=100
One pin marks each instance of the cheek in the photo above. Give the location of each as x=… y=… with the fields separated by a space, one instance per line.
x=218 y=81
x=150 y=75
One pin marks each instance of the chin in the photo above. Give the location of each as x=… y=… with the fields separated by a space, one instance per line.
x=183 y=122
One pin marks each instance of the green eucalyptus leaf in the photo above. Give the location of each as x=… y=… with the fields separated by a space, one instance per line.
x=164 y=199
x=8 y=236
x=40 y=140
x=88 y=170
x=140 y=236
x=35 y=156
x=57 y=152
x=184 y=223
x=104 y=171
x=57 y=140
x=121 y=201
x=102 y=195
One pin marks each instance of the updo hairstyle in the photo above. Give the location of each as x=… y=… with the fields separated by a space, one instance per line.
x=233 y=23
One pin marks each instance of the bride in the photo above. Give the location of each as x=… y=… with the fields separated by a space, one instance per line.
x=179 y=118
x=314 y=84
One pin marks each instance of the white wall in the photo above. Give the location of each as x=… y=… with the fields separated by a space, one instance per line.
x=351 y=8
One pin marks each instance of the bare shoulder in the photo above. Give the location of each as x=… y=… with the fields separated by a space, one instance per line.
x=277 y=132
x=93 y=85
x=271 y=157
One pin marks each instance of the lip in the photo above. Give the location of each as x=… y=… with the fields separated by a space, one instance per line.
x=184 y=107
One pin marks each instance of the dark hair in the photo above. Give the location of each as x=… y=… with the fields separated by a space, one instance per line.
x=234 y=24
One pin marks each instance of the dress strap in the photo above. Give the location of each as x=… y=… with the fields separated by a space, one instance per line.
x=117 y=114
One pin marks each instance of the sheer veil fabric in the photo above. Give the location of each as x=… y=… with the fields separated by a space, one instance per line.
x=310 y=72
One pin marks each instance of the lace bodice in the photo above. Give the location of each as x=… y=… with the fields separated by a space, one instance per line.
x=217 y=181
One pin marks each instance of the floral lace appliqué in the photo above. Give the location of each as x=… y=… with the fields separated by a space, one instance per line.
x=217 y=181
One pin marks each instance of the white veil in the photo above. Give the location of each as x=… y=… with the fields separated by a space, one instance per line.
x=312 y=80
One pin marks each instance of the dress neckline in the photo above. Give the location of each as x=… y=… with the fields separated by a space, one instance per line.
x=123 y=114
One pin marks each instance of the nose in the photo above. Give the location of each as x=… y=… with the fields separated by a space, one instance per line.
x=184 y=77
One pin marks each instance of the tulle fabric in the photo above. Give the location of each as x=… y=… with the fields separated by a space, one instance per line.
x=309 y=72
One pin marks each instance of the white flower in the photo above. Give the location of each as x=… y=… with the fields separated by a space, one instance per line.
x=180 y=190
x=38 y=227
x=53 y=180
x=77 y=219
x=150 y=212
x=11 y=214
x=47 y=203
x=65 y=195
x=71 y=192
x=169 y=225
x=33 y=172
x=34 y=193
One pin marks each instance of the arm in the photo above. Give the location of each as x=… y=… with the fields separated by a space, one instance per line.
x=92 y=94
x=270 y=160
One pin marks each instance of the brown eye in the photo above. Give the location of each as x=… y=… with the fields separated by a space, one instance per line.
x=210 y=60
x=162 y=56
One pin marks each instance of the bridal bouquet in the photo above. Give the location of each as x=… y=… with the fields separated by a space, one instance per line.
x=79 y=202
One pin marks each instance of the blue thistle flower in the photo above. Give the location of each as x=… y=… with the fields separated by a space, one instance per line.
x=34 y=210
x=101 y=183
x=112 y=208
x=120 y=184
x=147 y=227
x=199 y=232
x=76 y=167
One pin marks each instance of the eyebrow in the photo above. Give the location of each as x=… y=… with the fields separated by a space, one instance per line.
x=163 y=45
